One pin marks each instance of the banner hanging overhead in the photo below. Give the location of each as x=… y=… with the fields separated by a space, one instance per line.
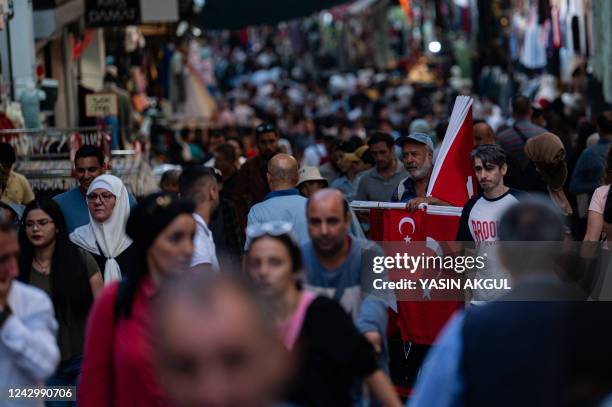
x=112 y=13
x=119 y=13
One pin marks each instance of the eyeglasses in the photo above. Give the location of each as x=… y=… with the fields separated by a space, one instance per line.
x=277 y=228
x=31 y=224
x=104 y=197
x=265 y=128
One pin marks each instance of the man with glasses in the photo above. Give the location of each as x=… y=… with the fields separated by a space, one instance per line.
x=251 y=181
x=28 y=349
x=88 y=165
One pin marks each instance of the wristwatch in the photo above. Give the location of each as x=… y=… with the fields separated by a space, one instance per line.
x=5 y=313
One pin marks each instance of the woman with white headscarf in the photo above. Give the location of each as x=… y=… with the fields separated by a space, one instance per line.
x=104 y=236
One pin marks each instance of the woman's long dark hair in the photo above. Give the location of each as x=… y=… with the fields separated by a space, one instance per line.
x=69 y=279
x=132 y=277
x=152 y=215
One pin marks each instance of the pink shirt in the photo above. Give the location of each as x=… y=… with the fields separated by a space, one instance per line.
x=598 y=201
x=290 y=329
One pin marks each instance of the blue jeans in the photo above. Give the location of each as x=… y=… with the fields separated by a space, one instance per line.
x=66 y=374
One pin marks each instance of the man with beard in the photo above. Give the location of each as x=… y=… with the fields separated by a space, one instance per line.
x=417 y=150
x=332 y=266
x=251 y=180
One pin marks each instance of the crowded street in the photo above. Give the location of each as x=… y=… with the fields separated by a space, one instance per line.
x=329 y=203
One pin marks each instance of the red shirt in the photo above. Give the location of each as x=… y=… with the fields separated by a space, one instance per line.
x=117 y=365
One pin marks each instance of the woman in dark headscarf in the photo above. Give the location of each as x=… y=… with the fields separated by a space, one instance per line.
x=547 y=153
x=118 y=365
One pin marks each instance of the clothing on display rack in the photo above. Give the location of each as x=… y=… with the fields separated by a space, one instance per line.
x=533 y=53
x=30 y=99
x=602 y=45
x=45 y=158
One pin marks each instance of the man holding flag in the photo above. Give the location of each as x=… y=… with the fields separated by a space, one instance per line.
x=450 y=183
x=417 y=150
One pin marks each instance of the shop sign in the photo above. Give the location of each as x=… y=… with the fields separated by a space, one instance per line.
x=109 y=13
x=101 y=105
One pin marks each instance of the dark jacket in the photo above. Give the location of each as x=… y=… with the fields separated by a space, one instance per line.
x=251 y=187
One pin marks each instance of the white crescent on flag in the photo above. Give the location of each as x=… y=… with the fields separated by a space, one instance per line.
x=403 y=222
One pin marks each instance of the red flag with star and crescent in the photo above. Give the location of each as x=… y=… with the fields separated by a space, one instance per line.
x=419 y=321
x=452 y=181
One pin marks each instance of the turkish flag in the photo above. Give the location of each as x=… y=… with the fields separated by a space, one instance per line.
x=421 y=321
x=397 y=225
x=452 y=179
x=421 y=315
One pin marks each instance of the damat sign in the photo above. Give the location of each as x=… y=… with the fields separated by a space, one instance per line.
x=108 y=13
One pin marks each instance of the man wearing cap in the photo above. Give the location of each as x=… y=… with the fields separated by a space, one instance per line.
x=284 y=202
x=310 y=181
x=417 y=154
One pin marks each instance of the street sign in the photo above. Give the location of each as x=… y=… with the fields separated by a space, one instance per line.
x=101 y=105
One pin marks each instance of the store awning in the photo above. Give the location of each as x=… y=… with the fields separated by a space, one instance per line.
x=223 y=14
x=49 y=22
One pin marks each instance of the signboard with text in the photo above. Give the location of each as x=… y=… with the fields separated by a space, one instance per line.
x=112 y=13
x=101 y=105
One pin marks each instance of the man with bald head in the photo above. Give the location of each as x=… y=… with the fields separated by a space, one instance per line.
x=283 y=202
x=332 y=266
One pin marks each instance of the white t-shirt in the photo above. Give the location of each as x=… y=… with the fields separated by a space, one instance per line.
x=480 y=223
x=480 y=216
x=204 y=250
x=313 y=155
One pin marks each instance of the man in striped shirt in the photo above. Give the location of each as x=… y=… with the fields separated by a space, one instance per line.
x=521 y=172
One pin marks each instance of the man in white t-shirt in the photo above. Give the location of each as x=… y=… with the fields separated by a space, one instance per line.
x=200 y=185
x=481 y=214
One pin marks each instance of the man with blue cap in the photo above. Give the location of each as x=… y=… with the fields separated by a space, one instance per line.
x=417 y=155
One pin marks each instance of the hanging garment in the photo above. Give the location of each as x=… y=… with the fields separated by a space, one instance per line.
x=30 y=107
x=533 y=54
x=556 y=27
